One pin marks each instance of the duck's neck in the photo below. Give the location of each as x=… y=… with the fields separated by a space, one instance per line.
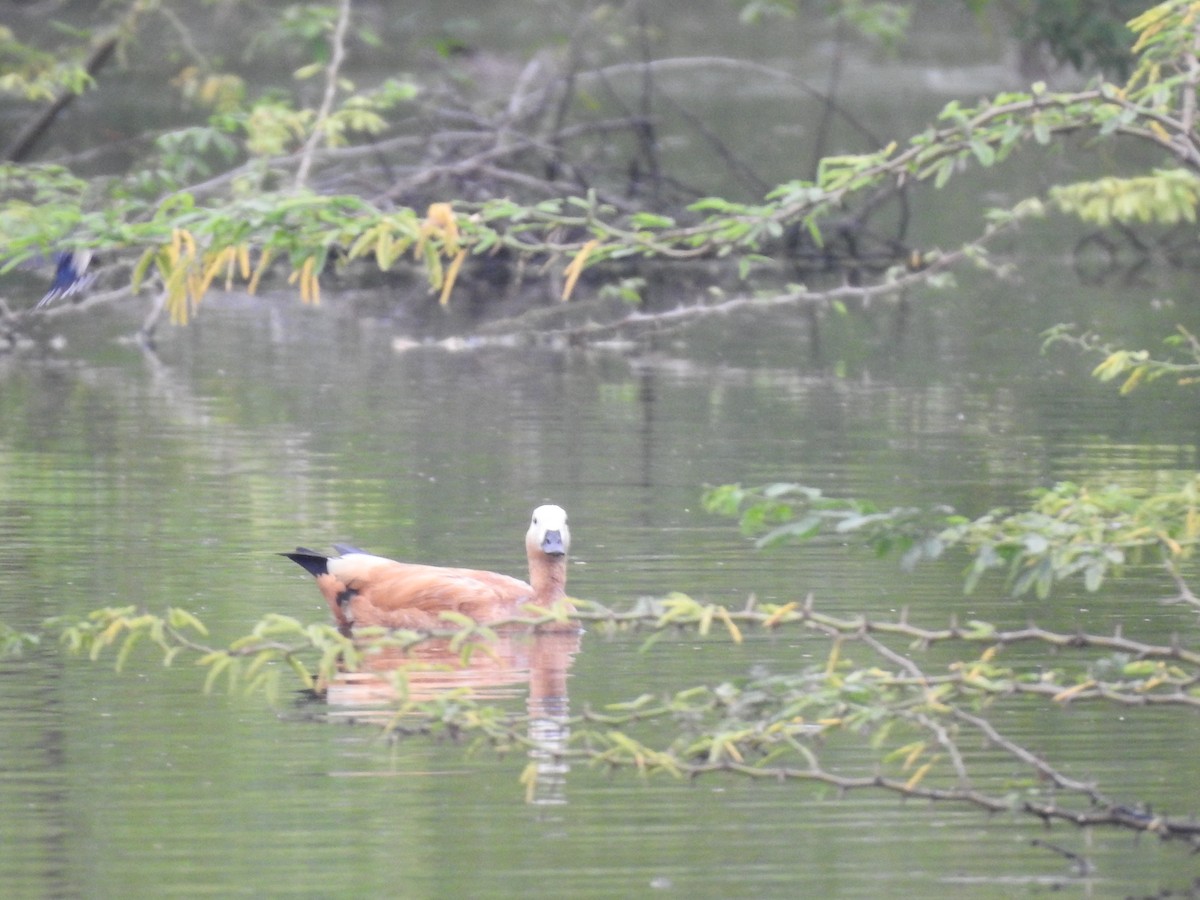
x=548 y=578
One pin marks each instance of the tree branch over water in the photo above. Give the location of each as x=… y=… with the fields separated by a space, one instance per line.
x=928 y=732
x=337 y=55
x=520 y=182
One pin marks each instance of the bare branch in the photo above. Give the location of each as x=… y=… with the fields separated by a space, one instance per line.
x=337 y=55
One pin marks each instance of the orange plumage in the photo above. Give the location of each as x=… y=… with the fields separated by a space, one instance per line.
x=362 y=589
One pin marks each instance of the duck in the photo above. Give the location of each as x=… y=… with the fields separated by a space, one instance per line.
x=367 y=590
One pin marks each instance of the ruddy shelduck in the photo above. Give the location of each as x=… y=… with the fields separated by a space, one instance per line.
x=362 y=589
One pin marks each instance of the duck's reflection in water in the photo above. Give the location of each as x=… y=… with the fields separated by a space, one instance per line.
x=549 y=709
x=536 y=664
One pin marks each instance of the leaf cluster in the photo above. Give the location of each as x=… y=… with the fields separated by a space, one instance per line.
x=926 y=733
x=1069 y=531
x=252 y=662
x=255 y=155
x=1134 y=367
x=1081 y=34
x=884 y=22
x=37 y=75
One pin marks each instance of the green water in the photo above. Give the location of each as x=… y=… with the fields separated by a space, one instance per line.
x=173 y=480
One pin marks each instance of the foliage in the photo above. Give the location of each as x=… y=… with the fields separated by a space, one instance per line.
x=36 y=75
x=14 y=642
x=1135 y=367
x=924 y=730
x=1081 y=34
x=222 y=201
x=251 y=660
x=255 y=662
x=1085 y=35
x=226 y=200
x=1164 y=197
x=1069 y=531
x=884 y=22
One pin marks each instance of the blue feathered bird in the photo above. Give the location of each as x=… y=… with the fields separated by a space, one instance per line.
x=70 y=277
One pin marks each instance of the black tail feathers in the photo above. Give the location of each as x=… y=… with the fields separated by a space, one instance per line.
x=314 y=563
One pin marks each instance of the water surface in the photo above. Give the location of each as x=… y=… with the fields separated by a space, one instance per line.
x=174 y=479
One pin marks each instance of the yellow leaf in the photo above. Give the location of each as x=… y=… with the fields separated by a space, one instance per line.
x=108 y=635
x=306 y=270
x=529 y=780
x=139 y=271
x=310 y=291
x=221 y=259
x=917 y=752
x=834 y=653
x=917 y=776
x=1072 y=692
x=1111 y=366
x=576 y=266
x=734 y=631
x=777 y=616
x=1135 y=378
x=439 y=222
x=451 y=274
x=314 y=290
x=731 y=749
x=263 y=262
x=442 y=221
x=187 y=242
x=174 y=274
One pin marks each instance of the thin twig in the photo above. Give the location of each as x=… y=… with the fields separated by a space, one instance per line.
x=337 y=54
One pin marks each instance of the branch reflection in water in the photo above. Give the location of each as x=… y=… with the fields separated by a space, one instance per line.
x=517 y=661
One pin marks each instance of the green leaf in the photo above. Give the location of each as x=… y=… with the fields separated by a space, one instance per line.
x=301 y=671
x=983 y=152
x=220 y=663
x=127 y=646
